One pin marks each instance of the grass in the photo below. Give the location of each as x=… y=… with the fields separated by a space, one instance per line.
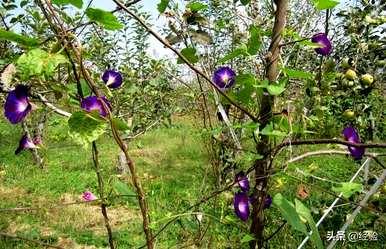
x=175 y=171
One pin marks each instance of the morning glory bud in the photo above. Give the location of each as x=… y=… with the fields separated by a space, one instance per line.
x=241 y=205
x=323 y=40
x=351 y=135
x=224 y=77
x=112 y=79
x=89 y=196
x=243 y=182
x=17 y=105
x=93 y=103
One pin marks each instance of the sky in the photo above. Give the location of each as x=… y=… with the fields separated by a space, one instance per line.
x=150 y=6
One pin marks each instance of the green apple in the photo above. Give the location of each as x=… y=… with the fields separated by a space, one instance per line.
x=367 y=79
x=350 y=74
x=375 y=197
x=346 y=63
x=370 y=20
x=349 y=114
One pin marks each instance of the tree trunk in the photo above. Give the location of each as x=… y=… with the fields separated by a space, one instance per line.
x=263 y=146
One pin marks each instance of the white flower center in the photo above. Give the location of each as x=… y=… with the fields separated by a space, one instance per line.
x=242 y=207
x=22 y=106
x=111 y=80
x=225 y=78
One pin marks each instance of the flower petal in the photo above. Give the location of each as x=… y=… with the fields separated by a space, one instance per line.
x=351 y=135
x=243 y=181
x=25 y=143
x=224 y=77
x=241 y=206
x=92 y=103
x=89 y=196
x=112 y=79
x=17 y=105
x=323 y=40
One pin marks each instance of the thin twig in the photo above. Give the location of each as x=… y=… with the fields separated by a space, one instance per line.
x=15 y=237
x=51 y=106
x=277 y=230
x=101 y=194
x=186 y=61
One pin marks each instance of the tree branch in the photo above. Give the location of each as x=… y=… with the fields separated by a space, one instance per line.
x=190 y=65
x=52 y=107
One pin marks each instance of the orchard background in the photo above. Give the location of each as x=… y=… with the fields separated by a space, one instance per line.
x=192 y=124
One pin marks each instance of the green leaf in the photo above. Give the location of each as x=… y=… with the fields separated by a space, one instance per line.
x=277 y=89
x=348 y=188
x=247 y=238
x=289 y=213
x=162 y=6
x=245 y=2
x=120 y=125
x=291 y=73
x=325 y=4
x=254 y=40
x=196 y=6
x=241 y=51
x=76 y=3
x=271 y=132
x=20 y=39
x=86 y=127
x=305 y=213
x=247 y=83
x=105 y=18
x=190 y=54
x=37 y=62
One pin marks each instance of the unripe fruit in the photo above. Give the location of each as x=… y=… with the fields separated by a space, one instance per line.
x=346 y=63
x=349 y=114
x=375 y=197
x=370 y=20
x=367 y=79
x=350 y=83
x=350 y=74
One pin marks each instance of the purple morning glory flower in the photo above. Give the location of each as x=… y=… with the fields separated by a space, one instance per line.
x=242 y=180
x=224 y=77
x=17 y=105
x=323 y=40
x=112 y=79
x=268 y=201
x=92 y=103
x=89 y=196
x=25 y=143
x=351 y=135
x=241 y=205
